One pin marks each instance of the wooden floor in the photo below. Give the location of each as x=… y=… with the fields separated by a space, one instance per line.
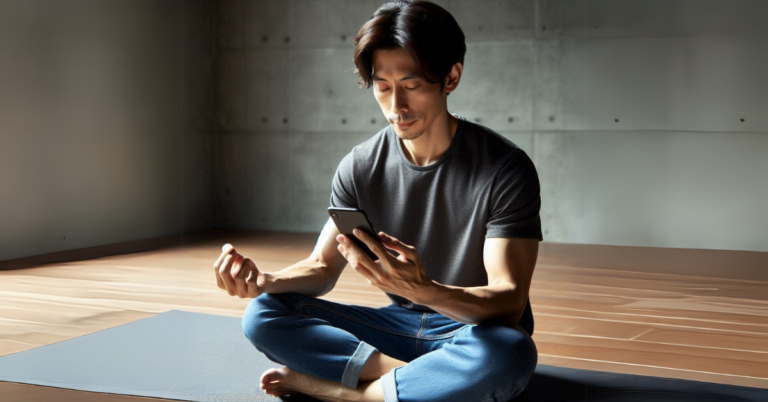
x=660 y=324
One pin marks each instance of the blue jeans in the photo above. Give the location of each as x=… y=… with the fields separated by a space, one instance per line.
x=447 y=360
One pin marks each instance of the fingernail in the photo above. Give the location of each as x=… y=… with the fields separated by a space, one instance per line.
x=356 y=232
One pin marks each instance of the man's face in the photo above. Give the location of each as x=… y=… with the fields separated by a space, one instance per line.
x=403 y=95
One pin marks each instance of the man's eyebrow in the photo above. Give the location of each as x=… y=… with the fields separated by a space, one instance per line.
x=408 y=77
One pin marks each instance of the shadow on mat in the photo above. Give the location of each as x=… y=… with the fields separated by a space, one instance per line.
x=298 y=398
x=560 y=384
x=595 y=386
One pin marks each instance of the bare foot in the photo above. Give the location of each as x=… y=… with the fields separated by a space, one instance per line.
x=283 y=381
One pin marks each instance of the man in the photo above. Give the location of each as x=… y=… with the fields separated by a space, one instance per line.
x=460 y=323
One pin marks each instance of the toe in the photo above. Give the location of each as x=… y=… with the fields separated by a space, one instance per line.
x=281 y=392
x=270 y=375
x=276 y=392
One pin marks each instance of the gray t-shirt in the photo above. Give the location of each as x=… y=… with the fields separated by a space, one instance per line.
x=483 y=186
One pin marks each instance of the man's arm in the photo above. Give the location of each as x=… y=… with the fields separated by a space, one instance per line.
x=510 y=263
x=317 y=274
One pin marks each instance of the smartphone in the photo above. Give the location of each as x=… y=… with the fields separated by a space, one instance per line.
x=347 y=219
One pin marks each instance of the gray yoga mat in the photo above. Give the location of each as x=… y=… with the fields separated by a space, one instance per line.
x=203 y=357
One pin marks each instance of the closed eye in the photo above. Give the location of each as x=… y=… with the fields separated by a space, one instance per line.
x=410 y=89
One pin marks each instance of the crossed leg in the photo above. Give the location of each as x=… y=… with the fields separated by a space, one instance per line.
x=476 y=362
x=273 y=320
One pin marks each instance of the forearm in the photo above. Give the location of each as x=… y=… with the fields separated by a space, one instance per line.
x=497 y=304
x=306 y=277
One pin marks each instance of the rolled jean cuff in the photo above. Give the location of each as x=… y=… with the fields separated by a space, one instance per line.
x=389 y=387
x=355 y=365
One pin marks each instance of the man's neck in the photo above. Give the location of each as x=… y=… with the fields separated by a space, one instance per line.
x=431 y=145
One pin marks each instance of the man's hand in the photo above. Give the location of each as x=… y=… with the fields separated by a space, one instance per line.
x=403 y=275
x=238 y=274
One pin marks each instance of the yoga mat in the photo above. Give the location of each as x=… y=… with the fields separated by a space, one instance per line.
x=202 y=357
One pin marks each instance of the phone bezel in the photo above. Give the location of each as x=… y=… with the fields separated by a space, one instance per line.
x=369 y=229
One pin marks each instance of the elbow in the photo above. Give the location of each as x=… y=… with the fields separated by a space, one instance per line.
x=506 y=317
x=507 y=320
x=515 y=318
x=329 y=281
x=517 y=314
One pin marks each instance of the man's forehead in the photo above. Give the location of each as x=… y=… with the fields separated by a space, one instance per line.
x=399 y=74
x=390 y=62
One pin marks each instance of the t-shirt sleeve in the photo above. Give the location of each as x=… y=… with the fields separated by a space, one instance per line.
x=515 y=200
x=343 y=193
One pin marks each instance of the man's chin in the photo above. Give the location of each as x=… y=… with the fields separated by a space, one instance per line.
x=410 y=136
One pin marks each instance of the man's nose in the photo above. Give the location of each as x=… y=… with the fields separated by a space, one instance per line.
x=399 y=101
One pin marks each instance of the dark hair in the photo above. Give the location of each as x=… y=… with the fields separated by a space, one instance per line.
x=425 y=30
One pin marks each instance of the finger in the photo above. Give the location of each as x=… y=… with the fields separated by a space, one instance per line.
x=361 y=269
x=362 y=263
x=372 y=244
x=395 y=244
x=255 y=281
x=351 y=252
x=368 y=273
x=226 y=276
x=219 y=282
x=239 y=271
x=226 y=249
x=254 y=289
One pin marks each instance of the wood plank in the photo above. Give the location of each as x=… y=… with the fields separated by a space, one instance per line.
x=13 y=391
x=735 y=264
x=597 y=317
x=679 y=284
x=673 y=311
x=654 y=354
x=706 y=339
x=648 y=333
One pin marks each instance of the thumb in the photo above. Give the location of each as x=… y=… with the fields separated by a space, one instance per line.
x=261 y=282
x=256 y=282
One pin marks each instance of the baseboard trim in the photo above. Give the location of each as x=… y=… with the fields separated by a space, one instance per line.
x=89 y=253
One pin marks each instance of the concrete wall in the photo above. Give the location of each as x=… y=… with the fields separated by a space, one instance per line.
x=106 y=122
x=131 y=119
x=678 y=169
x=662 y=137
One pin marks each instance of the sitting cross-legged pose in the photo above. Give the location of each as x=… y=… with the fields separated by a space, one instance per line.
x=459 y=205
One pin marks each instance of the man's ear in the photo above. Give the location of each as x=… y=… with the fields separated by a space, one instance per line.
x=453 y=78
